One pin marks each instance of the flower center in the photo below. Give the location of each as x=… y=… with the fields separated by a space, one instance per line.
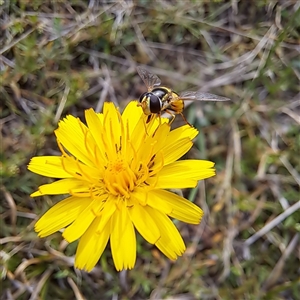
x=119 y=179
x=117 y=167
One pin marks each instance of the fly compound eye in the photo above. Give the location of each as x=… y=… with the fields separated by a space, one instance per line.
x=142 y=97
x=155 y=103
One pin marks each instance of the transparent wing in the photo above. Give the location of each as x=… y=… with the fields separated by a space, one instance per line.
x=199 y=96
x=150 y=80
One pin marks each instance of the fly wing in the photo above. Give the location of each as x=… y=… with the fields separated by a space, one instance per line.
x=150 y=80
x=199 y=96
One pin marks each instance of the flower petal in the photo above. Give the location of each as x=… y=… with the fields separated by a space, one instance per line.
x=174 y=151
x=184 y=174
x=182 y=132
x=96 y=128
x=122 y=240
x=63 y=186
x=144 y=223
x=138 y=135
x=91 y=246
x=152 y=144
x=155 y=201
x=108 y=209
x=79 y=170
x=73 y=135
x=170 y=243
x=178 y=142
x=132 y=115
x=50 y=166
x=112 y=133
x=60 y=215
x=82 y=222
x=179 y=207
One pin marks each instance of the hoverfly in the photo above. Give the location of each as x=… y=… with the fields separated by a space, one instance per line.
x=160 y=99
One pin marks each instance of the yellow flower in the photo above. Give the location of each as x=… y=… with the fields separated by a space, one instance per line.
x=116 y=170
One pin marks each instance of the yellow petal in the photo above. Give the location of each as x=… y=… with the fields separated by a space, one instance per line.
x=82 y=222
x=155 y=201
x=91 y=246
x=79 y=170
x=182 y=132
x=72 y=134
x=152 y=144
x=122 y=240
x=50 y=166
x=60 y=215
x=177 y=143
x=112 y=132
x=184 y=174
x=160 y=136
x=63 y=186
x=179 y=207
x=138 y=135
x=108 y=210
x=132 y=115
x=170 y=243
x=96 y=128
x=144 y=223
x=174 y=151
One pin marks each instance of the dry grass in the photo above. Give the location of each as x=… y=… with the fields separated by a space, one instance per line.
x=60 y=57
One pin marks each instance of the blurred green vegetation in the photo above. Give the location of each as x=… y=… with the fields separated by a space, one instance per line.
x=61 y=57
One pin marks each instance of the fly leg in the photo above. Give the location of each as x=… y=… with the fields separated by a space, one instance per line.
x=185 y=120
x=159 y=116
x=149 y=118
x=172 y=116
